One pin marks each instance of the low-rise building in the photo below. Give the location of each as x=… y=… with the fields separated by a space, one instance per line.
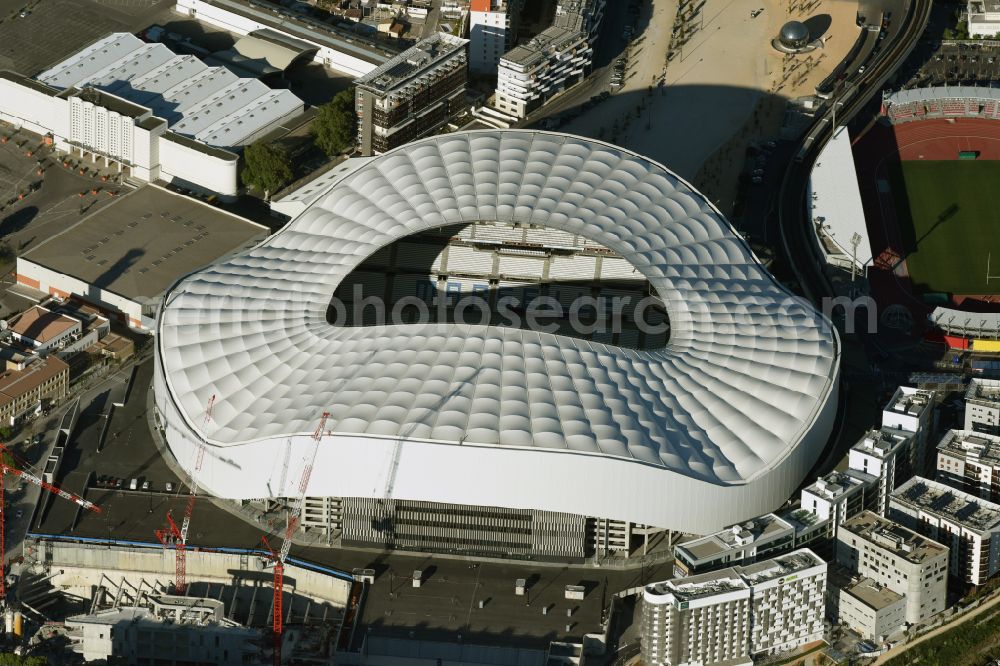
x=982 y=406
x=838 y=495
x=984 y=18
x=42 y=330
x=967 y=525
x=970 y=461
x=896 y=558
x=23 y=392
x=552 y=61
x=883 y=453
x=745 y=543
x=169 y=630
x=732 y=615
x=413 y=94
x=874 y=611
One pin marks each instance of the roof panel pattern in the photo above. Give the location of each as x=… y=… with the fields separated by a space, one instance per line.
x=747 y=369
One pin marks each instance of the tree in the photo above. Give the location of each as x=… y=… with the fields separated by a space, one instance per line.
x=11 y=659
x=267 y=169
x=7 y=253
x=333 y=128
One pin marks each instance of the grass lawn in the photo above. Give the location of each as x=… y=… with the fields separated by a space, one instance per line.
x=949 y=219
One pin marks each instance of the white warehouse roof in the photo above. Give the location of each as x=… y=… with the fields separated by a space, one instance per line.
x=210 y=104
x=720 y=425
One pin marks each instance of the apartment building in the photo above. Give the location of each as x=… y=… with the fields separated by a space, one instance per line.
x=838 y=495
x=897 y=558
x=982 y=406
x=25 y=391
x=968 y=525
x=787 y=596
x=492 y=32
x=912 y=410
x=532 y=73
x=883 y=453
x=734 y=614
x=745 y=543
x=412 y=94
x=970 y=461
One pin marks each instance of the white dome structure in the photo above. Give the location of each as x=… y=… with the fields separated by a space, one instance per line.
x=718 y=426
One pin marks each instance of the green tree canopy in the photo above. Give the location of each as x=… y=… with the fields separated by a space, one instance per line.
x=333 y=127
x=267 y=167
x=11 y=659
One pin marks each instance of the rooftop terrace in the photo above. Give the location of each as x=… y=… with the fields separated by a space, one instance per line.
x=893 y=537
x=948 y=503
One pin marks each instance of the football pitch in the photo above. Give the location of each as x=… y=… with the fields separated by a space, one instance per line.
x=949 y=219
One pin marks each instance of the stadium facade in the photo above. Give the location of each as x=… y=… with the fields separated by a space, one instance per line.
x=519 y=431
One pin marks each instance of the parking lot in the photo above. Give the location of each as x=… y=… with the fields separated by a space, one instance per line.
x=56 y=28
x=958 y=63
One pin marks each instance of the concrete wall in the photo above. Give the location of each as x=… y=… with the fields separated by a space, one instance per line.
x=79 y=567
x=33 y=110
x=227 y=20
x=62 y=285
x=198 y=169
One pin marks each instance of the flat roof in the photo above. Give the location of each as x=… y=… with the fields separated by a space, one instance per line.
x=779 y=567
x=872 y=595
x=881 y=442
x=41 y=324
x=414 y=61
x=730 y=538
x=836 y=198
x=302 y=27
x=28 y=82
x=975 y=447
x=983 y=391
x=948 y=503
x=143 y=242
x=893 y=537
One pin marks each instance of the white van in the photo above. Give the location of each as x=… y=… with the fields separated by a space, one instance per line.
x=133 y=484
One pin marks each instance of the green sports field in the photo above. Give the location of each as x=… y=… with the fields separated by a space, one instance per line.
x=949 y=217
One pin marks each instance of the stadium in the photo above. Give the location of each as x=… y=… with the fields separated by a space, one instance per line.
x=926 y=175
x=519 y=433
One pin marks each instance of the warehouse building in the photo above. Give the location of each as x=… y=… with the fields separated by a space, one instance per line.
x=345 y=51
x=413 y=94
x=151 y=113
x=125 y=256
x=967 y=525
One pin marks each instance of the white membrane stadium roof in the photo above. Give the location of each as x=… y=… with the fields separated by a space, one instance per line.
x=746 y=371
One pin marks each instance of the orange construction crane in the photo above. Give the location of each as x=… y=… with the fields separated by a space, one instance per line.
x=7 y=461
x=177 y=537
x=278 y=559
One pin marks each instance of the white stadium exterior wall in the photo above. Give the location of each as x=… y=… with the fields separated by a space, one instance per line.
x=719 y=426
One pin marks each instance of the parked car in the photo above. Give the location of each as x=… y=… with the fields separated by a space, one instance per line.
x=133 y=484
x=169 y=487
x=145 y=485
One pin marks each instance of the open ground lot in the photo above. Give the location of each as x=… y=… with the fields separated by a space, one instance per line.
x=947 y=217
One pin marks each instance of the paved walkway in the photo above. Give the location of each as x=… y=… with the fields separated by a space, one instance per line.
x=900 y=649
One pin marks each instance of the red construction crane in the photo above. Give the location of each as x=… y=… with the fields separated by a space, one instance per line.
x=278 y=559
x=177 y=538
x=7 y=460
